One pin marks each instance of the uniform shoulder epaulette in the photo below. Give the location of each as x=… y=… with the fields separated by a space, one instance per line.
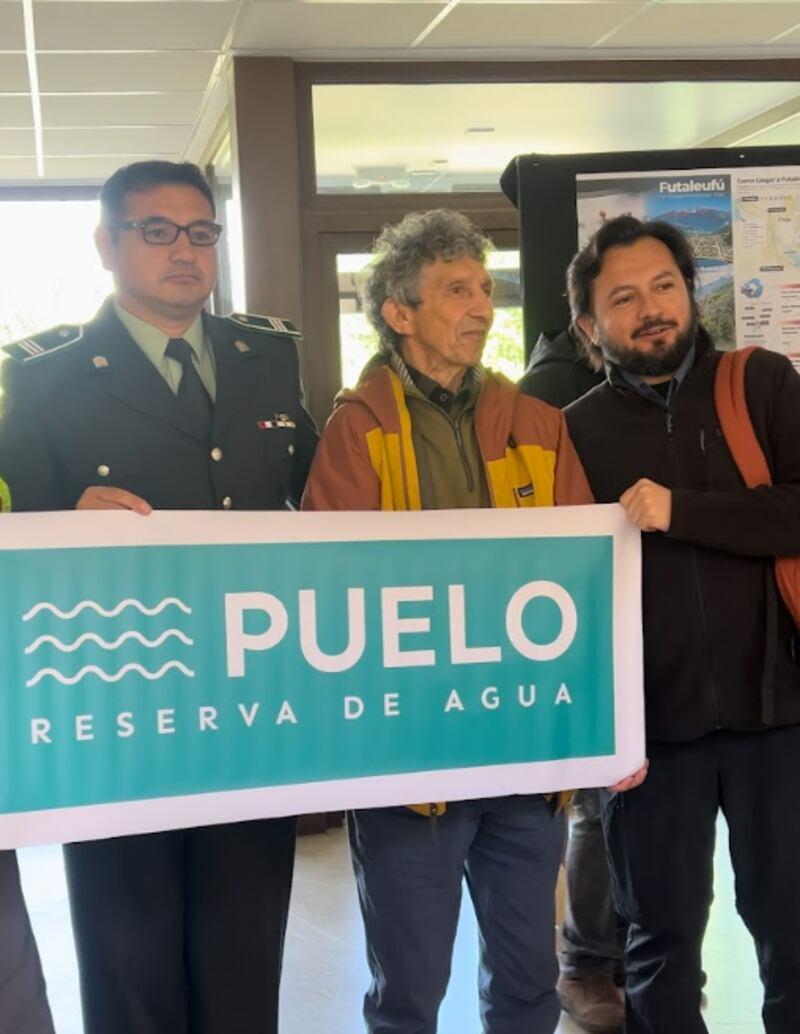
x=47 y=343
x=267 y=324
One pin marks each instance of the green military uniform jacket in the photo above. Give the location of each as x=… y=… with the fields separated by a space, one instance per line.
x=84 y=406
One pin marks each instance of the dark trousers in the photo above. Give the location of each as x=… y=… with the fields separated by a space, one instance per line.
x=23 y=1003
x=661 y=842
x=182 y=932
x=593 y=935
x=410 y=870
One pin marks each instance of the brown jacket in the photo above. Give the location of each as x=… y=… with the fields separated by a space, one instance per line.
x=366 y=460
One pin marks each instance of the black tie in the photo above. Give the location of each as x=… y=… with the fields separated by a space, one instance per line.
x=193 y=399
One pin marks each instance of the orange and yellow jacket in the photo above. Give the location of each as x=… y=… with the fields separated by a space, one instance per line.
x=365 y=459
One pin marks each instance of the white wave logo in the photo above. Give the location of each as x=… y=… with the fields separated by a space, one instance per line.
x=170 y=601
x=109 y=644
x=91 y=637
x=92 y=669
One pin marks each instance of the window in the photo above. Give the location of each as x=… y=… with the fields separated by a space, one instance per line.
x=50 y=272
x=429 y=138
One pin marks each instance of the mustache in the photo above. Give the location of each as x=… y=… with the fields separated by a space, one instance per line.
x=649 y=325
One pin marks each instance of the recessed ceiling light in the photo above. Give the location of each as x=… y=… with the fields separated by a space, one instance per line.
x=481 y=129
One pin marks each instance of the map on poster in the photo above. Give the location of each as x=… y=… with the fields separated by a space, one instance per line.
x=766 y=241
x=744 y=229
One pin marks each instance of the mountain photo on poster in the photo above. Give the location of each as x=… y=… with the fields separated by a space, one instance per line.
x=698 y=204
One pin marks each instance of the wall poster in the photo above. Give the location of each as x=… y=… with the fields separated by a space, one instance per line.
x=744 y=229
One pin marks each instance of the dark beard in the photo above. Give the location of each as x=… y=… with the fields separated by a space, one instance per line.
x=658 y=362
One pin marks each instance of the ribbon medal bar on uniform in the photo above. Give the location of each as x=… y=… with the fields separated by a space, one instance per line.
x=278 y=420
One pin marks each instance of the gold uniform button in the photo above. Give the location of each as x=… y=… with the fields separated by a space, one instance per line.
x=103 y=470
x=290 y=450
x=227 y=503
x=216 y=454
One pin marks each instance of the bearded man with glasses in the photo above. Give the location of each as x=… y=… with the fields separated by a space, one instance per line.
x=158 y=404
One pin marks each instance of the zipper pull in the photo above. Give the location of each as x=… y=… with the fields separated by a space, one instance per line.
x=670 y=424
x=703 y=440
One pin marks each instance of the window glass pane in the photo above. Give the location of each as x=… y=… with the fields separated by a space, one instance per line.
x=49 y=268
x=235 y=254
x=229 y=295
x=443 y=137
x=504 y=350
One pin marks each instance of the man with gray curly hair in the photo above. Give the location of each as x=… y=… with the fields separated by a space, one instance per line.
x=401 y=252
x=427 y=427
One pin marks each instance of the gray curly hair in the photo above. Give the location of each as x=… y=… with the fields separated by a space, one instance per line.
x=402 y=250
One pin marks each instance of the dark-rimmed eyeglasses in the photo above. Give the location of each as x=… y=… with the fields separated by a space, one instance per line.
x=201 y=233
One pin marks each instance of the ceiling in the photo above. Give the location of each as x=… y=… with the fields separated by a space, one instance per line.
x=88 y=86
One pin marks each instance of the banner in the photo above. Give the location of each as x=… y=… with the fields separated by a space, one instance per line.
x=185 y=669
x=743 y=226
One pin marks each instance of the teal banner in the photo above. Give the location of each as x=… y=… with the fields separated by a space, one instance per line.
x=273 y=663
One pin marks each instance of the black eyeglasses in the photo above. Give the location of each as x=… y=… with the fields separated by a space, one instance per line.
x=201 y=234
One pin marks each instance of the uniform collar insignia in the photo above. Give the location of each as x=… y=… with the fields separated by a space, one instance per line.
x=47 y=343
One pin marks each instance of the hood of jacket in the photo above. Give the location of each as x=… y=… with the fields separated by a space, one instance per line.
x=373 y=393
x=557 y=347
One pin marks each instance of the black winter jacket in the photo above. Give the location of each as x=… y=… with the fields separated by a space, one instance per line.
x=721 y=651
x=557 y=371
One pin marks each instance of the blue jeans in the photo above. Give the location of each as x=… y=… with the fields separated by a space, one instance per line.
x=410 y=870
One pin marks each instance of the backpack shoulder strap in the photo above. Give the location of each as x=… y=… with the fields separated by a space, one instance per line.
x=734 y=418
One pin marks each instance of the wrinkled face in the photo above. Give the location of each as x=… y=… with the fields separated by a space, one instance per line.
x=446 y=332
x=643 y=316
x=161 y=281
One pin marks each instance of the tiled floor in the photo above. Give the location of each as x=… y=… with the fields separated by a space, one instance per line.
x=325 y=972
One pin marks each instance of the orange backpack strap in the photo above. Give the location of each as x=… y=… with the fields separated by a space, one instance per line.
x=734 y=418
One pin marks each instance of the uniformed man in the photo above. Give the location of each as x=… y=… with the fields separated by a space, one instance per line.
x=157 y=404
